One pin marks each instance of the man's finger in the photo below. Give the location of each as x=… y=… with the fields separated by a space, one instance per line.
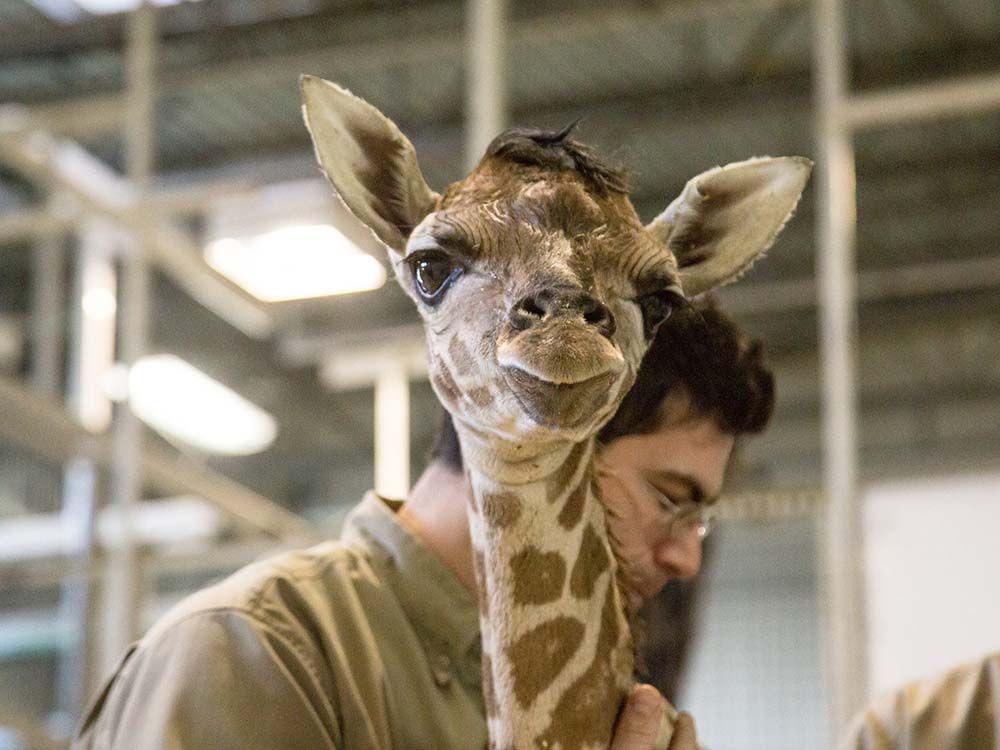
x=640 y=721
x=685 y=737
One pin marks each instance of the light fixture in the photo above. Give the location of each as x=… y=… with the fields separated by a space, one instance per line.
x=296 y=262
x=179 y=400
x=109 y=7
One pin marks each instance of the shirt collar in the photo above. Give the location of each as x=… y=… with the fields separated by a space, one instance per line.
x=443 y=612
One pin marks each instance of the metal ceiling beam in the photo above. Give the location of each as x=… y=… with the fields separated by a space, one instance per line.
x=587 y=19
x=918 y=280
x=949 y=98
x=87 y=116
x=79 y=117
x=64 y=166
x=191 y=18
x=29 y=224
x=399 y=52
x=37 y=425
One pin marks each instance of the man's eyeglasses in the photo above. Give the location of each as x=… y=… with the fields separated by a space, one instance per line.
x=687 y=517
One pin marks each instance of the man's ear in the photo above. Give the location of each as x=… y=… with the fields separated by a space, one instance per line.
x=728 y=216
x=366 y=158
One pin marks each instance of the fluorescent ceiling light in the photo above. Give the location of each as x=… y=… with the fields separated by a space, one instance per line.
x=179 y=400
x=108 y=7
x=296 y=262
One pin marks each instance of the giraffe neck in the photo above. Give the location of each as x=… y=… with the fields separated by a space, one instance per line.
x=557 y=651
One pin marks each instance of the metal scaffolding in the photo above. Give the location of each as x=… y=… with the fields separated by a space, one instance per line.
x=121 y=230
x=839 y=115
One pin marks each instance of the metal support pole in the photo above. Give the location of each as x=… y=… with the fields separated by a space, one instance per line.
x=122 y=582
x=47 y=299
x=91 y=351
x=836 y=276
x=485 y=88
x=90 y=355
x=392 y=432
x=77 y=677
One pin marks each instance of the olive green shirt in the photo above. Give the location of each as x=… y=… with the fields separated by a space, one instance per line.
x=369 y=642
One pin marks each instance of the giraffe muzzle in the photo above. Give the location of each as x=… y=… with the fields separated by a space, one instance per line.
x=560 y=406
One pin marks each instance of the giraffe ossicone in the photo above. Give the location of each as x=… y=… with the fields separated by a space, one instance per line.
x=540 y=289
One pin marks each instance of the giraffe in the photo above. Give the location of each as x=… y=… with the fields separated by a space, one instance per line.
x=540 y=289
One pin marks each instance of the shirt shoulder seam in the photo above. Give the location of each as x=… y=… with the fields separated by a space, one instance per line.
x=288 y=637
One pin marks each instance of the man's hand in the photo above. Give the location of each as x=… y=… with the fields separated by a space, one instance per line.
x=639 y=724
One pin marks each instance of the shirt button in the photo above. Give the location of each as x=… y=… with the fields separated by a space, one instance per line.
x=441 y=669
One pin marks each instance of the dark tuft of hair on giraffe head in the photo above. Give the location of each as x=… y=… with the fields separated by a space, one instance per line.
x=554 y=149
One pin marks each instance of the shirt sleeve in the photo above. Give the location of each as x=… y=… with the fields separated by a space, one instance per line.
x=219 y=680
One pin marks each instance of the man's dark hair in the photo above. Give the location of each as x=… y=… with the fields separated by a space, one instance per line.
x=699 y=349
x=703 y=351
x=446 y=448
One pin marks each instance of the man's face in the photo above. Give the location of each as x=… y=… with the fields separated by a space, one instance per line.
x=685 y=459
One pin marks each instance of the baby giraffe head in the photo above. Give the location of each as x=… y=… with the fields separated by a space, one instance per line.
x=539 y=286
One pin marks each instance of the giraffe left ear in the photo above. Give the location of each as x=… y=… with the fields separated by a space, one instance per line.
x=728 y=216
x=370 y=163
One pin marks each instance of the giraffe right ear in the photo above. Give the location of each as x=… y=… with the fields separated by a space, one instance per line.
x=728 y=216
x=369 y=162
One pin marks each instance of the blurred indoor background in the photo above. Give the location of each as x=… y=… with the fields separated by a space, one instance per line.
x=166 y=241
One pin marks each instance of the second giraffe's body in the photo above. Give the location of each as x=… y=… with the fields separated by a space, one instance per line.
x=540 y=290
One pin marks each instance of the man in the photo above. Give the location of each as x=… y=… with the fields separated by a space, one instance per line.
x=372 y=642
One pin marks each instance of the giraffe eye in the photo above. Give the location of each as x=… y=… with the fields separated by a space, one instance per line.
x=433 y=273
x=656 y=308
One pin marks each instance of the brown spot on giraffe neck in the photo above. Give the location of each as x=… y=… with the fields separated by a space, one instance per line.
x=538 y=576
x=480 y=396
x=572 y=510
x=501 y=509
x=479 y=569
x=461 y=359
x=582 y=717
x=444 y=383
x=559 y=481
x=538 y=656
x=489 y=686
x=591 y=561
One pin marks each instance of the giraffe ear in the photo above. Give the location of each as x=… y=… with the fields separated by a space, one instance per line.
x=728 y=216
x=369 y=162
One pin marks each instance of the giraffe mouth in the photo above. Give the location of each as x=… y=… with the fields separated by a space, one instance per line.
x=561 y=352
x=560 y=405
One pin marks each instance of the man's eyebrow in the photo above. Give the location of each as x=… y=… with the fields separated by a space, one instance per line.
x=695 y=492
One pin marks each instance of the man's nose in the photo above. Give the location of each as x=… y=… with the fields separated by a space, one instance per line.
x=681 y=555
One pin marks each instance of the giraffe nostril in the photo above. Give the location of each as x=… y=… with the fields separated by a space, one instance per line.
x=532 y=309
x=526 y=313
x=600 y=317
